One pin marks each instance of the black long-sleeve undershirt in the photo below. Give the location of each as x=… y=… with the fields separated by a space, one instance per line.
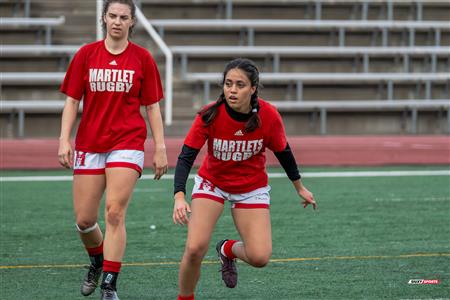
x=184 y=165
x=188 y=155
x=287 y=161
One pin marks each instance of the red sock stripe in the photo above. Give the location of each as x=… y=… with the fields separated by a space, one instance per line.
x=191 y=297
x=95 y=251
x=227 y=249
x=111 y=266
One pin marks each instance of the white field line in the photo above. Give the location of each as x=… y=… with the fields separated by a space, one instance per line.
x=271 y=175
x=409 y=199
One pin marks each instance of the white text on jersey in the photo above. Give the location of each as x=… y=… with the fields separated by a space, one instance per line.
x=110 y=80
x=236 y=150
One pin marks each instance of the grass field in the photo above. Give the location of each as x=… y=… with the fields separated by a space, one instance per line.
x=370 y=236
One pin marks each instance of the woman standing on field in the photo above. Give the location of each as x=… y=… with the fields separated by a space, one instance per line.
x=114 y=78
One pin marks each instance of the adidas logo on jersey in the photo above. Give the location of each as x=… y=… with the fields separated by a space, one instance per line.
x=113 y=63
x=239 y=133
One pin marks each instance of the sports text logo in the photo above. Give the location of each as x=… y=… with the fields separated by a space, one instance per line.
x=423 y=281
x=110 y=80
x=236 y=150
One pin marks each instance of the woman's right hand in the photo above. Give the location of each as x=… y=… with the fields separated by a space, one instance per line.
x=181 y=209
x=65 y=154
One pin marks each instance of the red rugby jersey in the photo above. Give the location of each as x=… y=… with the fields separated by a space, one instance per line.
x=235 y=161
x=113 y=87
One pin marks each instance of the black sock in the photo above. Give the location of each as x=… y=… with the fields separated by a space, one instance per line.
x=110 y=278
x=97 y=260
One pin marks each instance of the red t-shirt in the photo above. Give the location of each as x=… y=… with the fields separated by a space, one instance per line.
x=235 y=161
x=113 y=88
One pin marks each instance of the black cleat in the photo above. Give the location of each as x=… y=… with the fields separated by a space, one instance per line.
x=228 y=269
x=108 y=292
x=90 y=281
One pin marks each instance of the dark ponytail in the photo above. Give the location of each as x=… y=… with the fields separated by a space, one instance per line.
x=209 y=113
x=248 y=67
x=254 y=121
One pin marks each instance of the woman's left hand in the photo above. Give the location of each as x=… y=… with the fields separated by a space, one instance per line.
x=308 y=198
x=160 y=162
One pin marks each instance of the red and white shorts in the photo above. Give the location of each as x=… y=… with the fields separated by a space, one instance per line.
x=89 y=163
x=259 y=198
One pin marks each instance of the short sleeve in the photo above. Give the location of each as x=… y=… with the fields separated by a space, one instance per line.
x=197 y=135
x=277 y=135
x=151 y=87
x=74 y=82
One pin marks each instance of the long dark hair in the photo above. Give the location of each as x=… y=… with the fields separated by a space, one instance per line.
x=107 y=3
x=248 y=67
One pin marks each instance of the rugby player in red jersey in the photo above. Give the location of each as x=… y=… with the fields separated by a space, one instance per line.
x=114 y=78
x=238 y=128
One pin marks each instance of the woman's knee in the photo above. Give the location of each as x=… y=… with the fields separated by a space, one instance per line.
x=115 y=215
x=259 y=259
x=85 y=223
x=195 y=252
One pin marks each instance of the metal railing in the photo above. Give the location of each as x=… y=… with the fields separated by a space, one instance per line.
x=322 y=108
x=299 y=79
x=332 y=26
x=46 y=23
x=169 y=65
x=363 y=5
x=276 y=52
x=38 y=50
x=288 y=79
x=313 y=9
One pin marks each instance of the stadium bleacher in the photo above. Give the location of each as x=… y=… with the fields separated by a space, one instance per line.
x=42 y=24
x=249 y=27
x=330 y=58
x=277 y=52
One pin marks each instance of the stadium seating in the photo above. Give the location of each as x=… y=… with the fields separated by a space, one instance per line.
x=322 y=108
x=303 y=9
x=276 y=52
x=323 y=59
x=46 y=24
x=37 y=50
x=250 y=26
x=19 y=8
x=330 y=78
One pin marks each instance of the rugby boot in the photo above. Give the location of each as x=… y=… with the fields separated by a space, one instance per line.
x=108 y=292
x=228 y=267
x=90 y=281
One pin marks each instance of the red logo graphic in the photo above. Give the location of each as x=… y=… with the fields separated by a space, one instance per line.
x=431 y=281
x=207 y=186
x=80 y=158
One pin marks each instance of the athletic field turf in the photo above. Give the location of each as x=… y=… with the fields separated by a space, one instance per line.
x=369 y=238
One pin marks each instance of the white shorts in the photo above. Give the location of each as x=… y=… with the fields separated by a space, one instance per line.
x=259 y=198
x=89 y=163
